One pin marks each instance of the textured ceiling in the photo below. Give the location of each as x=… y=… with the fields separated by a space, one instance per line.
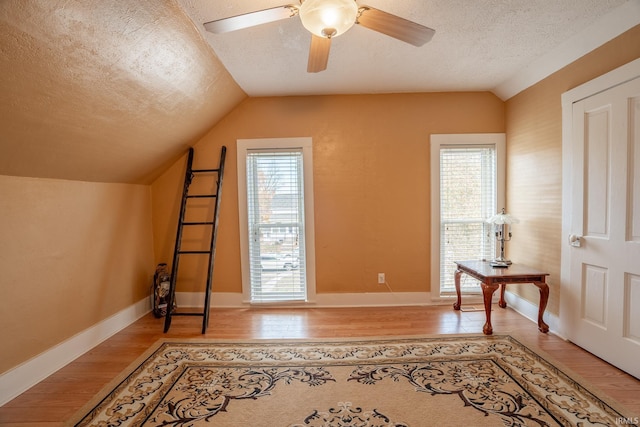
x=478 y=45
x=104 y=90
x=115 y=90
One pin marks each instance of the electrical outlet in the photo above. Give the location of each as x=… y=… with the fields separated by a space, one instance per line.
x=381 y=279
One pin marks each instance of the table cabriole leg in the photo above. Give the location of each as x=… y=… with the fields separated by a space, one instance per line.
x=487 y=292
x=502 y=303
x=544 y=298
x=456 y=276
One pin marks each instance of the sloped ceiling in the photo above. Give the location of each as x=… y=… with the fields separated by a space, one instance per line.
x=104 y=90
x=115 y=90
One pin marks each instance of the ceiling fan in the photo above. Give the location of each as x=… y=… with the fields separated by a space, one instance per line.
x=326 y=19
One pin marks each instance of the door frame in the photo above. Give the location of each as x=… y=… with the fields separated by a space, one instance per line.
x=607 y=81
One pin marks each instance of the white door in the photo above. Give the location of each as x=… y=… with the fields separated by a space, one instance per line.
x=602 y=303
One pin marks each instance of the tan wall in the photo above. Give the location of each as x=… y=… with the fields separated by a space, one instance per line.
x=371 y=179
x=534 y=160
x=67 y=244
x=72 y=254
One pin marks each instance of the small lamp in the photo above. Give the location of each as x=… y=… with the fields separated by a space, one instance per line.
x=328 y=18
x=502 y=229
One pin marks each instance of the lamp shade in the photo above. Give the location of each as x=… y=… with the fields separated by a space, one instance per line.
x=328 y=18
x=503 y=218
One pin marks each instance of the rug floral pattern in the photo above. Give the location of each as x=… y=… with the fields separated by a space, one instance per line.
x=401 y=382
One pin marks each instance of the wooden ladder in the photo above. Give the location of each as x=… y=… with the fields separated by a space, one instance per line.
x=213 y=224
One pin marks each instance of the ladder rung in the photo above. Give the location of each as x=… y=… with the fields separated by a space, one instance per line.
x=190 y=174
x=202 y=196
x=204 y=170
x=187 y=314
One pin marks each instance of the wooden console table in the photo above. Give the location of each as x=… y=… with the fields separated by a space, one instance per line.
x=492 y=278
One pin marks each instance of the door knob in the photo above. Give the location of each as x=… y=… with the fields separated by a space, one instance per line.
x=575 y=241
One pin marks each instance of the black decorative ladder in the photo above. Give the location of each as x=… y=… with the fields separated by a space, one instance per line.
x=178 y=252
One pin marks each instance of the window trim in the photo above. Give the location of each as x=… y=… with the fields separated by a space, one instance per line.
x=467 y=139
x=306 y=145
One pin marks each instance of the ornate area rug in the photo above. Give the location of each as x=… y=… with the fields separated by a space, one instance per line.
x=419 y=381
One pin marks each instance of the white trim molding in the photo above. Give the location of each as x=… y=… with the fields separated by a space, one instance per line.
x=21 y=378
x=530 y=311
x=372 y=299
x=24 y=376
x=244 y=146
x=436 y=142
x=367 y=299
x=599 y=84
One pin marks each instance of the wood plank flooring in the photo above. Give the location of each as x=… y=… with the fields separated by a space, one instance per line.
x=58 y=397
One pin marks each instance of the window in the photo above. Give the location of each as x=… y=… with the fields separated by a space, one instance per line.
x=467 y=187
x=276 y=213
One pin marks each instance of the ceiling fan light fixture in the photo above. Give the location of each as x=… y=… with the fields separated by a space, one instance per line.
x=328 y=18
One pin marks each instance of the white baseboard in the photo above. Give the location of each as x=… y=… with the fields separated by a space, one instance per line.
x=374 y=299
x=530 y=311
x=21 y=378
x=26 y=375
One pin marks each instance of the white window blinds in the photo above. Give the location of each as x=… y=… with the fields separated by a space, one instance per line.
x=467 y=198
x=275 y=211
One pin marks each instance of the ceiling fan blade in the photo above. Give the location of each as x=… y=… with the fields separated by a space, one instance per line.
x=251 y=19
x=318 y=54
x=394 y=26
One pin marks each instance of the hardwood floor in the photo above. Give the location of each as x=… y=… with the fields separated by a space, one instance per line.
x=58 y=397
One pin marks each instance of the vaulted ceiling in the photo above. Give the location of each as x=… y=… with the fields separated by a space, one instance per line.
x=115 y=90
x=104 y=90
x=478 y=45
